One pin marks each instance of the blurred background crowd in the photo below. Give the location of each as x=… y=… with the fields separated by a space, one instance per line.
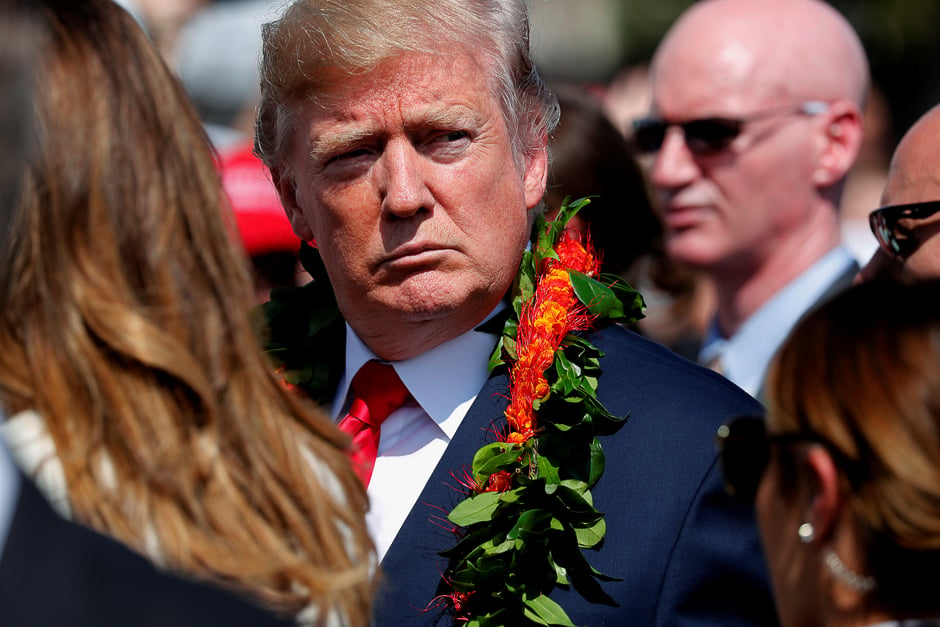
x=596 y=53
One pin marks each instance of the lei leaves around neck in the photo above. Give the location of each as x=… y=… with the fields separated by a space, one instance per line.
x=529 y=515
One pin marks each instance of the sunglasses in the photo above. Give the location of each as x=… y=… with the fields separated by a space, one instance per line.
x=744 y=453
x=710 y=135
x=898 y=241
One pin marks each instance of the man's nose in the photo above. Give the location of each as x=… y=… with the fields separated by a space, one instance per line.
x=673 y=165
x=404 y=184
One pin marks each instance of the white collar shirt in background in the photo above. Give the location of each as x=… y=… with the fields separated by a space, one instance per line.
x=745 y=356
x=444 y=383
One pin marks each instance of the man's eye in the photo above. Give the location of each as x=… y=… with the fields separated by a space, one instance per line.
x=349 y=155
x=447 y=145
x=454 y=136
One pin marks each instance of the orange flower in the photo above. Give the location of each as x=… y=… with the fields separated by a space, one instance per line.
x=554 y=313
x=574 y=255
x=499 y=482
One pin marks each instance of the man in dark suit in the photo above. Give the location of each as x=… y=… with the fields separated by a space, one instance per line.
x=408 y=140
x=755 y=123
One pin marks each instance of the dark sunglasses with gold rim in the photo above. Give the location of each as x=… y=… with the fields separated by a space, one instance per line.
x=744 y=447
x=709 y=135
x=896 y=240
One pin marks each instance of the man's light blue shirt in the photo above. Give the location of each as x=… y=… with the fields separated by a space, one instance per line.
x=745 y=356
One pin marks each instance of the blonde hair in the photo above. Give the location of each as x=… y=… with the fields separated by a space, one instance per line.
x=863 y=373
x=316 y=43
x=125 y=323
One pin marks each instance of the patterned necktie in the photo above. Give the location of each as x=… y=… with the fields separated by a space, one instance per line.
x=377 y=392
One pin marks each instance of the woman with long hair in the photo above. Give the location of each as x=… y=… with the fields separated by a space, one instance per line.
x=137 y=391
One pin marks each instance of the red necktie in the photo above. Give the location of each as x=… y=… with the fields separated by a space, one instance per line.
x=377 y=392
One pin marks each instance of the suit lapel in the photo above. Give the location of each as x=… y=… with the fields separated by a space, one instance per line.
x=412 y=566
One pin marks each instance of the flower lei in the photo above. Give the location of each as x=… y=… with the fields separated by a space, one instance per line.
x=528 y=514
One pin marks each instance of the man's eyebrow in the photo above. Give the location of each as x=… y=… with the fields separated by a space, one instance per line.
x=333 y=142
x=449 y=117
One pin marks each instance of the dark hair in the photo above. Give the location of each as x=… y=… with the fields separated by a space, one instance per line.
x=591 y=158
x=20 y=38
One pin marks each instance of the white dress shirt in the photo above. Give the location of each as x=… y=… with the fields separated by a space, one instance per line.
x=444 y=383
x=745 y=356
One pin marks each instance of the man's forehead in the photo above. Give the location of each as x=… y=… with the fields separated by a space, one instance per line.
x=431 y=89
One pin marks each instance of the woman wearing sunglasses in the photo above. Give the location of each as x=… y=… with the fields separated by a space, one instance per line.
x=845 y=470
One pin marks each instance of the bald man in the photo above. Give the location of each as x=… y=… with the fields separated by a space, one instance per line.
x=755 y=122
x=907 y=224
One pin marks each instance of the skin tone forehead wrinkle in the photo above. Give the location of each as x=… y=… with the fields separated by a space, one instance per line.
x=438 y=113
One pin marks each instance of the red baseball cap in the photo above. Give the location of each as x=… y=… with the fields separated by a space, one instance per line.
x=259 y=216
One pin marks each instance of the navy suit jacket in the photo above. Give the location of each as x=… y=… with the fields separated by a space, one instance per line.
x=686 y=553
x=55 y=572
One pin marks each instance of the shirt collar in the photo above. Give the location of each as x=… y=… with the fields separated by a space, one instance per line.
x=444 y=380
x=746 y=355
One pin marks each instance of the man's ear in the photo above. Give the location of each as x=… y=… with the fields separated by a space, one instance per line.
x=535 y=176
x=825 y=499
x=287 y=190
x=841 y=141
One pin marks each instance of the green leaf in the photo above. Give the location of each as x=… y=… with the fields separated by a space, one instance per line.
x=597 y=463
x=597 y=297
x=494 y=457
x=525 y=281
x=531 y=521
x=604 y=422
x=634 y=305
x=579 y=487
x=496 y=357
x=590 y=537
x=568 y=375
x=507 y=462
x=543 y=611
x=476 y=509
x=548 y=470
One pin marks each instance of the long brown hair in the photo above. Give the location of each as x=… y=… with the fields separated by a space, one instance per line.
x=863 y=373
x=125 y=324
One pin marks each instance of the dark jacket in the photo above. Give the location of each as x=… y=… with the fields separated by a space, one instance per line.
x=686 y=553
